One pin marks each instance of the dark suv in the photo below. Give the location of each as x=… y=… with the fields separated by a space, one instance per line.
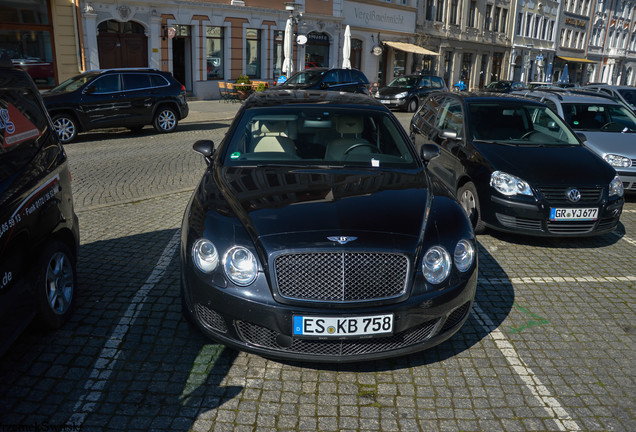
x=348 y=80
x=129 y=98
x=407 y=92
x=39 y=231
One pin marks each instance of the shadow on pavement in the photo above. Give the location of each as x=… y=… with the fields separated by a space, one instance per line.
x=98 y=135
x=109 y=367
x=562 y=242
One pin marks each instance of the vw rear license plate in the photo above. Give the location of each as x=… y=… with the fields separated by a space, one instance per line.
x=579 y=214
x=338 y=327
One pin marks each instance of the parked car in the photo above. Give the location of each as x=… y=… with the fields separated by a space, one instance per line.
x=516 y=166
x=504 y=86
x=406 y=92
x=626 y=94
x=39 y=231
x=605 y=125
x=129 y=98
x=317 y=234
x=348 y=80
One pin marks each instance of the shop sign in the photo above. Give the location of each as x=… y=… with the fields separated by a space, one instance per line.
x=575 y=22
x=318 y=37
x=370 y=15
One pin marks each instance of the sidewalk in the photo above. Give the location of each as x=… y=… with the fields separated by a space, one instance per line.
x=211 y=110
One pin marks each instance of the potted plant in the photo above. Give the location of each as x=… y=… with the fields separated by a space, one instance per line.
x=260 y=87
x=243 y=86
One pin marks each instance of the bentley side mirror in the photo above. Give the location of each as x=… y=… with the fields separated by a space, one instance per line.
x=206 y=148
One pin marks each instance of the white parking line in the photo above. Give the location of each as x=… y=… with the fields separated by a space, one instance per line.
x=538 y=280
x=560 y=416
x=103 y=367
x=625 y=238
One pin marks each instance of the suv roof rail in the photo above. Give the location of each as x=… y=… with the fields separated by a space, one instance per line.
x=138 y=69
x=555 y=92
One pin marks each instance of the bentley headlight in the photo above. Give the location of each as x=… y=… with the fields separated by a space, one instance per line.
x=618 y=160
x=240 y=266
x=464 y=255
x=508 y=184
x=205 y=256
x=436 y=264
x=616 y=187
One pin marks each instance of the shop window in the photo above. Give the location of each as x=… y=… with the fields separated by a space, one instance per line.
x=317 y=50
x=399 y=63
x=30 y=50
x=467 y=66
x=279 y=36
x=356 y=53
x=253 y=53
x=214 y=51
x=31 y=12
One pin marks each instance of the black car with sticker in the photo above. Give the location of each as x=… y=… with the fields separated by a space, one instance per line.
x=39 y=231
x=516 y=166
x=317 y=234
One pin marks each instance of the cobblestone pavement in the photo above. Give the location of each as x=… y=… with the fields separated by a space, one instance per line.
x=549 y=345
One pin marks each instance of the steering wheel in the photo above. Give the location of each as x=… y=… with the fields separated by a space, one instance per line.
x=371 y=146
x=608 y=126
x=527 y=134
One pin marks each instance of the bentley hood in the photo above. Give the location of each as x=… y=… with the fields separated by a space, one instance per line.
x=283 y=205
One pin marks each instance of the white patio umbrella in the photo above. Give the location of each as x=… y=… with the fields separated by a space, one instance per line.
x=346 y=49
x=288 y=49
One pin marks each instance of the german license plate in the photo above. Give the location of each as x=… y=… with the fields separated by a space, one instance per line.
x=385 y=101
x=371 y=325
x=569 y=214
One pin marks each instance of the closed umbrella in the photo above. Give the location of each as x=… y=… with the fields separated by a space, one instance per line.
x=565 y=77
x=346 y=49
x=288 y=49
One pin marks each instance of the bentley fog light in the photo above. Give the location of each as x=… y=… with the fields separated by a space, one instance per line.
x=240 y=266
x=436 y=264
x=508 y=184
x=618 y=160
x=616 y=187
x=464 y=255
x=205 y=256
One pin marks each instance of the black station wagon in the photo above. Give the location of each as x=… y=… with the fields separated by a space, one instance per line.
x=129 y=98
x=516 y=166
x=316 y=233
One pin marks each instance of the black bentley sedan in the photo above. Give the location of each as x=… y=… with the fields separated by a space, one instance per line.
x=517 y=167
x=317 y=234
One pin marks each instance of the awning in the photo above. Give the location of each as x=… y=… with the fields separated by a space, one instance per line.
x=576 y=60
x=403 y=46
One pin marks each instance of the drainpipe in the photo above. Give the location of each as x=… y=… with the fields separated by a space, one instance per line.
x=79 y=38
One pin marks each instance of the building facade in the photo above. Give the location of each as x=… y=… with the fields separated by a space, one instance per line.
x=533 y=54
x=203 y=42
x=612 y=42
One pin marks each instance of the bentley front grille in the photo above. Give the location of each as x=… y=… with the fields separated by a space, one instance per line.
x=341 y=276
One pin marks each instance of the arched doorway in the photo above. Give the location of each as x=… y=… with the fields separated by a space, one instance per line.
x=122 y=44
